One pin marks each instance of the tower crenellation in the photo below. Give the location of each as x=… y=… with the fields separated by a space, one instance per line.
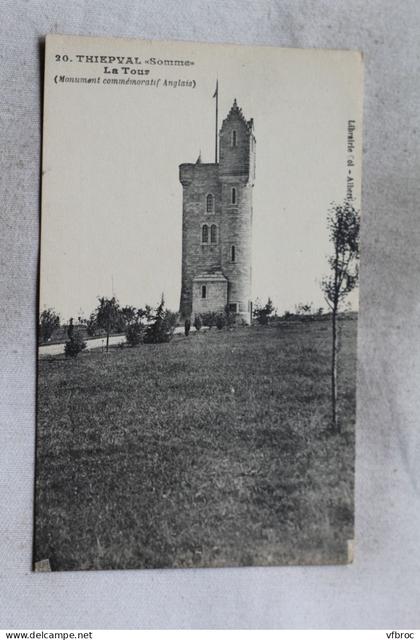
x=217 y=224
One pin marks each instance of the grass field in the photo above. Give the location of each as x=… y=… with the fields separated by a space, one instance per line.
x=210 y=450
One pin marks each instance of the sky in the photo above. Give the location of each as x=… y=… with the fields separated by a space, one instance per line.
x=111 y=198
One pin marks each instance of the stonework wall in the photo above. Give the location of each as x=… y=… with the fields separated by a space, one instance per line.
x=198 y=180
x=232 y=218
x=234 y=160
x=216 y=298
x=236 y=230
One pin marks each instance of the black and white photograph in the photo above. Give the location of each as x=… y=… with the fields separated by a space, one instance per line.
x=198 y=305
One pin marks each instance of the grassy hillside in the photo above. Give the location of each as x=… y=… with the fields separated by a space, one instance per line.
x=210 y=450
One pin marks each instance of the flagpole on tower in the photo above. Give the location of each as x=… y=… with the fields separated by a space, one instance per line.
x=216 y=137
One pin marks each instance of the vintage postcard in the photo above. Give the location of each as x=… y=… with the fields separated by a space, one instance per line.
x=198 y=305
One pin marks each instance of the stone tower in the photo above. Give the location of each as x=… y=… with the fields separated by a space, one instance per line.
x=217 y=224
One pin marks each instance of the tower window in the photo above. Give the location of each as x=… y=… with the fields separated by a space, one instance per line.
x=234 y=138
x=213 y=234
x=210 y=203
x=233 y=195
x=233 y=253
x=204 y=234
x=204 y=291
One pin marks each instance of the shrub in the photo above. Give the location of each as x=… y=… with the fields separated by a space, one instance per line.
x=120 y=324
x=91 y=325
x=187 y=326
x=230 y=317
x=209 y=319
x=134 y=334
x=49 y=321
x=304 y=309
x=163 y=326
x=198 y=323
x=220 y=321
x=74 y=346
x=263 y=314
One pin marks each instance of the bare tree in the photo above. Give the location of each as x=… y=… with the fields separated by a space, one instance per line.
x=343 y=225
